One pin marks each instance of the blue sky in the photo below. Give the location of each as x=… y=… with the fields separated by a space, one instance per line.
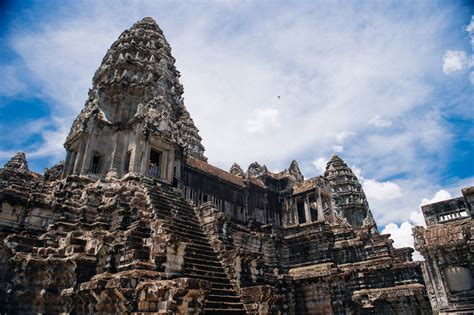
x=386 y=85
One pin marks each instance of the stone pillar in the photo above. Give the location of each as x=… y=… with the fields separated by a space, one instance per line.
x=319 y=203
x=307 y=210
x=79 y=158
x=144 y=157
x=164 y=165
x=67 y=163
x=137 y=151
x=295 y=211
x=114 y=159
x=88 y=154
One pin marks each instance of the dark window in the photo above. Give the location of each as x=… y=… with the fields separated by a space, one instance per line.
x=95 y=164
x=127 y=161
x=301 y=213
x=154 y=165
x=314 y=214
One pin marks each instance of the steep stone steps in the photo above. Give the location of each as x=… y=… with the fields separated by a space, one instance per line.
x=200 y=260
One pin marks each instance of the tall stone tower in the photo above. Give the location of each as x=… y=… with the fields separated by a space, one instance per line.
x=347 y=193
x=134 y=120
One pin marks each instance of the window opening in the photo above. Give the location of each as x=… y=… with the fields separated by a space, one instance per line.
x=95 y=164
x=301 y=212
x=127 y=161
x=154 y=165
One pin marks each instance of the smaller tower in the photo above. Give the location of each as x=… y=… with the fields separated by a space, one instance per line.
x=348 y=196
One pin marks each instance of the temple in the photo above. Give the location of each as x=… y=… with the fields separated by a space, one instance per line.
x=137 y=221
x=447 y=246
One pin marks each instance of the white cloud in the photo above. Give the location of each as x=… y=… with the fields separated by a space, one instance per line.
x=402 y=237
x=263 y=120
x=454 y=61
x=324 y=86
x=417 y=218
x=402 y=234
x=470 y=30
x=439 y=196
x=320 y=165
x=377 y=121
x=470 y=26
x=341 y=136
x=381 y=190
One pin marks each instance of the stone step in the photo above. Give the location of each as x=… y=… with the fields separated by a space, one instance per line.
x=213 y=280
x=163 y=208
x=219 y=311
x=185 y=227
x=224 y=298
x=206 y=273
x=197 y=261
x=217 y=286
x=191 y=266
x=224 y=292
x=169 y=203
x=204 y=251
x=166 y=211
x=223 y=305
x=201 y=256
x=206 y=247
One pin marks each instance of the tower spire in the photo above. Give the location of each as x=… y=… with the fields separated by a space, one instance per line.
x=135 y=103
x=348 y=195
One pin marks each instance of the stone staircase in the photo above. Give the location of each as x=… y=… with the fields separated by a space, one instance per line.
x=200 y=260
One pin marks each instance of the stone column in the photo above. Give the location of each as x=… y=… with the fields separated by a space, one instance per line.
x=144 y=156
x=79 y=158
x=87 y=154
x=136 y=153
x=307 y=211
x=295 y=210
x=115 y=158
x=319 y=205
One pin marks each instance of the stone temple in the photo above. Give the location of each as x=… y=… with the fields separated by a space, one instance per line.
x=136 y=221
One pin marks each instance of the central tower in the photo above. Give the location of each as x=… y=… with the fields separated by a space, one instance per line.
x=134 y=120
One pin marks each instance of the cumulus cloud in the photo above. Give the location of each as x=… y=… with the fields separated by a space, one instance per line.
x=377 y=121
x=381 y=190
x=458 y=60
x=439 y=196
x=402 y=234
x=320 y=165
x=454 y=61
x=263 y=120
x=402 y=237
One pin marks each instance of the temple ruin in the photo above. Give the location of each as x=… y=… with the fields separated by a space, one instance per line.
x=136 y=221
x=447 y=246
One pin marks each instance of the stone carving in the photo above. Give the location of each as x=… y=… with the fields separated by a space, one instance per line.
x=237 y=170
x=255 y=169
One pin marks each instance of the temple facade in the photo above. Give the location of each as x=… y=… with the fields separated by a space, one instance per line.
x=137 y=221
x=447 y=246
